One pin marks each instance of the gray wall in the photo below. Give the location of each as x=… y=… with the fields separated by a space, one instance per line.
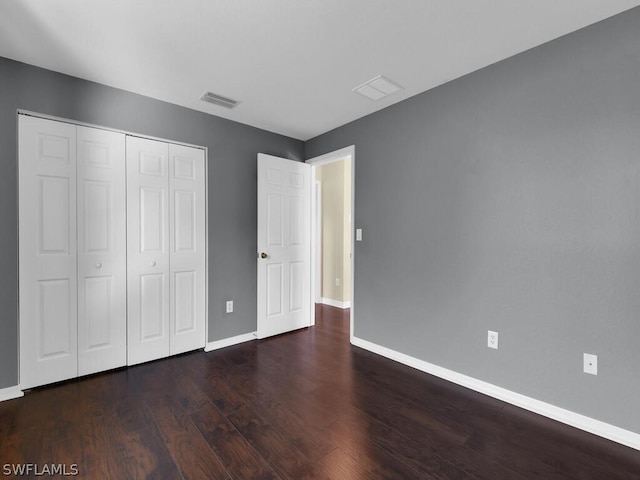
x=510 y=200
x=232 y=186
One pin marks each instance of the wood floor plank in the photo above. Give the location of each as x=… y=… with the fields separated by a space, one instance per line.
x=341 y=466
x=189 y=395
x=235 y=452
x=145 y=455
x=273 y=445
x=305 y=438
x=193 y=456
x=224 y=397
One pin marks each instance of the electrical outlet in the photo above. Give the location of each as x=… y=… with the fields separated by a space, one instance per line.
x=229 y=306
x=590 y=364
x=492 y=339
x=337 y=282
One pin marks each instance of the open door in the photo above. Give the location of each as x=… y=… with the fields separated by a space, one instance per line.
x=284 y=245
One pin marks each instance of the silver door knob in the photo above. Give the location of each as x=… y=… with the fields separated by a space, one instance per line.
x=98 y=265
x=153 y=264
x=263 y=255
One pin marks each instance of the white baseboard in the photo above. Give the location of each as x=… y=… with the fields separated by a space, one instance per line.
x=227 y=342
x=588 y=424
x=335 y=303
x=11 y=393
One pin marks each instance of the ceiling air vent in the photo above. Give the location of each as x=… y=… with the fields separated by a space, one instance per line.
x=377 y=88
x=218 y=100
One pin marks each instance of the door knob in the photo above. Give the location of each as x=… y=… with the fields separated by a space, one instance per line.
x=153 y=264
x=263 y=255
x=98 y=265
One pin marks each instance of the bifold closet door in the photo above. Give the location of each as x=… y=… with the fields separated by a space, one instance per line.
x=72 y=250
x=166 y=249
x=147 y=250
x=102 y=250
x=187 y=248
x=48 y=253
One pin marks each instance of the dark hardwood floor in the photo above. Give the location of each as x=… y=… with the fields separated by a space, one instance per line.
x=298 y=406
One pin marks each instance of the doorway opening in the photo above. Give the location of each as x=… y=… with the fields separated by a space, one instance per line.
x=332 y=238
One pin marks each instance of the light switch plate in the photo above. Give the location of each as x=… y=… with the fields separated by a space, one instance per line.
x=358 y=234
x=229 y=306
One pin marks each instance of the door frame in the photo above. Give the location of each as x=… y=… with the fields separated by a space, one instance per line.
x=316 y=241
x=335 y=156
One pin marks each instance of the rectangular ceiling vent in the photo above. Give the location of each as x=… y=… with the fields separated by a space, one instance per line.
x=219 y=100
x=377 y=88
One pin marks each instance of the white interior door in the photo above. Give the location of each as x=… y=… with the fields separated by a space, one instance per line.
x=102 y=254
x=187 y=248
x=147 y=250
x=47 y=230
x=284 y=245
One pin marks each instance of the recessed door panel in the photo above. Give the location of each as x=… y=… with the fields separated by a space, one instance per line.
x=185 y=302
x=48 y=251
x=152 y=219
x=297 y=220
x=274 y=289
x=275 y=220
x=98 y=154
x=152 y=162
x=98 y=312
x=185 y=167
x=152 y=306
x=297 y=283
x=297 y=181
x=54 y=318
x=274 y=177
x=98 y=218
x=184 y=225
x=54 y=211
x=54 y=148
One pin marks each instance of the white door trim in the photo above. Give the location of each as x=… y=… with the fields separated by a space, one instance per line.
x=316 y=243
x=343 y=153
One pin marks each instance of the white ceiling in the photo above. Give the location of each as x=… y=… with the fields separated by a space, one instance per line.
x=291 y=63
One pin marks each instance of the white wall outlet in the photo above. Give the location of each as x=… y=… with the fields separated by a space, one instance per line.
x=337 y=282
x=229 y=306
x=358 y=234
x=590 y=364
x=492 y=339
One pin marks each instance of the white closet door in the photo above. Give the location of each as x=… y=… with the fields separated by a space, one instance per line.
x=187 y=247
x=47 y=230
x=147 y=250
x=102 y=289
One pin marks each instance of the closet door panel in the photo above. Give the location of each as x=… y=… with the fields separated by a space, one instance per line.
x=47 y=239
x=188 y=248
x=147 y=250
x=102 y=315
